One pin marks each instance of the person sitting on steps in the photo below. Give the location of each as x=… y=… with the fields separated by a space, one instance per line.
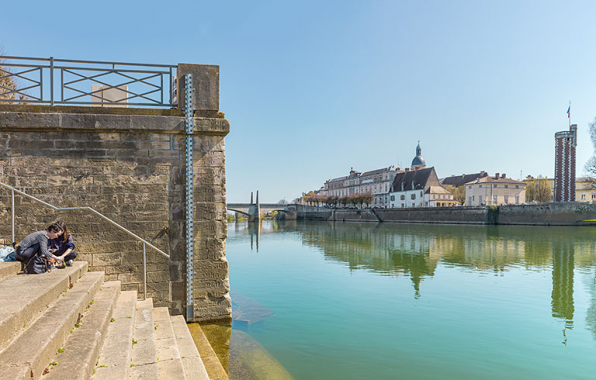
x=63 y=246
x=38 y=242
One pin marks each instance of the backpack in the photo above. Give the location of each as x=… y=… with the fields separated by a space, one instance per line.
x=37 y=265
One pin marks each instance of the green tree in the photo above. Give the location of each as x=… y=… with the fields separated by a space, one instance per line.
x=459 y=193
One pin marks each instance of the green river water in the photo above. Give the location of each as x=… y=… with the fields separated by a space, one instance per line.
x=317 y=300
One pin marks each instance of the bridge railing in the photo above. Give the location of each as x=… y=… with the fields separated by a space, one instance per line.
x=66 y=81
x=145 y=242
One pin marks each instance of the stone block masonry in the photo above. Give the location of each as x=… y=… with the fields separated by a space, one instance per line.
x=128 y=164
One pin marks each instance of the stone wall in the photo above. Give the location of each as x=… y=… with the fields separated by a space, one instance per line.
x=127 y=164
x=555 y=214
x=456 y=215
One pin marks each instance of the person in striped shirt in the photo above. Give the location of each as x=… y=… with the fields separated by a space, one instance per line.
x=38 y=242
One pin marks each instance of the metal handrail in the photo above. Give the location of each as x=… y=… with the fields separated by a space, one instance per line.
x=145 y=243
x=122 y=70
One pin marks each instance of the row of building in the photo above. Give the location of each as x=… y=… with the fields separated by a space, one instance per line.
x=419 y=186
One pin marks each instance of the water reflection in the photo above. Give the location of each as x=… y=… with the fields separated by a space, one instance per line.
x=416 y=251
x=562 y=295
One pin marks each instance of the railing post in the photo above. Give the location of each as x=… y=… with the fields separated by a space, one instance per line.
x=145 y=271
x=51 y=81
x=12 y=210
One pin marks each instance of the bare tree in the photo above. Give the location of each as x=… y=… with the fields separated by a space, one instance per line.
x=590 y=166
x=8 y=84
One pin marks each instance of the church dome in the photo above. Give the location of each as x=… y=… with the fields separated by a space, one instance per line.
x=418 y=162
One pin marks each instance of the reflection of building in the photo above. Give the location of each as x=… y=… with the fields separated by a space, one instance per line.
x=565 y=143
x=495 y=191
x=562 y=295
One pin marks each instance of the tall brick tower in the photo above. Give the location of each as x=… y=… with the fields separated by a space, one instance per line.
x=565 y=143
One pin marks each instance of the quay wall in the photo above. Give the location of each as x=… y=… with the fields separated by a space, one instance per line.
x=128 y=164
x=452 y=215
x=545 y=214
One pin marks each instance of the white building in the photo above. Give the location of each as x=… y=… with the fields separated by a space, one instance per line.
x=419 y=188
x=497 y=190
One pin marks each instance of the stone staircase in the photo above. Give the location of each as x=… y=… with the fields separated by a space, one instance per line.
x=71 y=324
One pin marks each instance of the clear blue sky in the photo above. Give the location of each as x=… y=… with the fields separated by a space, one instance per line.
x=313 y=88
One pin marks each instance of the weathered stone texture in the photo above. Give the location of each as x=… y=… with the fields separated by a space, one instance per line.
x=129 y=167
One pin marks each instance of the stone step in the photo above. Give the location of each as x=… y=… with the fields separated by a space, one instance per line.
x=26 y=296
x=30 y=353
x=144 y=344
x=169 y=363
x=115 y=354
x=191 y=360
x=77 y=359
x=8 y=269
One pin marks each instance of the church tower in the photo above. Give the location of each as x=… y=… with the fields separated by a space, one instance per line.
x=418 y=162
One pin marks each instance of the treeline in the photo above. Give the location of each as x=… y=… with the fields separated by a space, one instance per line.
x=333 y=201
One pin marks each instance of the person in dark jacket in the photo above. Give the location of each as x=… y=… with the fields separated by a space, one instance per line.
x=63 y=246
x=38 y=242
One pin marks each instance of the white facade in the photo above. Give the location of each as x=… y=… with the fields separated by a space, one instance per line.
x=406 y=199
x=496 y=190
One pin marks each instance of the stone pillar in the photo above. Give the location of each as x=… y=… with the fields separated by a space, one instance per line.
x=211 y=282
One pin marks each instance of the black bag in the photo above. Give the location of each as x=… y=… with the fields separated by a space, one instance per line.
x=37 y=265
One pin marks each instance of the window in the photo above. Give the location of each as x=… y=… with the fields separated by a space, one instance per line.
x=433 y=196
x=480 y=199
x=506 y=199
x=470 y=200
x=413 y=204
x=421 y=194
x=494 y=185
x=516 y=200
x=593 y=195
x=583 y=196
x=473 y=198
x=413 y=196
x=393 y=197
x=517 y=186
x=506 y=186
x=469 y=187
x=480 y=186
x=403 y=197
x=494 y=199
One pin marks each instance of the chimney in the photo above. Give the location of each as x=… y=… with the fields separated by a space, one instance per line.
x=496 y=175
x=503 y=175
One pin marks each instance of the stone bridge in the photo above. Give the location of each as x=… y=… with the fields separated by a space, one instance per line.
x=254 y=210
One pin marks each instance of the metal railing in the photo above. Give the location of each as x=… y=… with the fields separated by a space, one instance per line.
x=25 y=80
x=145 y=243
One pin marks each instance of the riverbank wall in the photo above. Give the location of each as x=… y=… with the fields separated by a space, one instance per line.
x=545 y=214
